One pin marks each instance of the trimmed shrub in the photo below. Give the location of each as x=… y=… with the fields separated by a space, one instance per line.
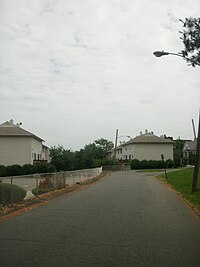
x=150 y=164
x=18 y=194
x=27 y=169
x=51 y=168
x=2 y=170
x=13 y=170
x=40 y=168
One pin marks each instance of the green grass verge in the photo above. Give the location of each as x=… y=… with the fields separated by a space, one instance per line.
x=151 y=170
x=181 y=181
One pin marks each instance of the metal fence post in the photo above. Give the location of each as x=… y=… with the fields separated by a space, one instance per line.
x=11 y=191
x=37 y=189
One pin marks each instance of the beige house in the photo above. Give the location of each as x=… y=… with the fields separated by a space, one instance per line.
x=146 y=146
x=18 y=146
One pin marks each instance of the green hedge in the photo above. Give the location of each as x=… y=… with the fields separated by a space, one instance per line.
x=150 y=164
x=14 y=170
x=18 y=194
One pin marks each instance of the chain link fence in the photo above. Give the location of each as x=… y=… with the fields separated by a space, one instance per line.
x=44 y=181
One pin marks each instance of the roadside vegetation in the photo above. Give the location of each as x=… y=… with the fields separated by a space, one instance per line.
x=181 y=181
x=18 y=194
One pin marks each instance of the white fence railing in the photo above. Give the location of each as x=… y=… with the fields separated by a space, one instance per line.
x=57 y=179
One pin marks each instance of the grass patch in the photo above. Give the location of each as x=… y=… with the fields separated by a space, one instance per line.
x=152 y=170
x=181 y=181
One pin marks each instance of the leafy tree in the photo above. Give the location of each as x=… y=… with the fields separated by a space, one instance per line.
x=191 y=40
x=178 y=148
x=91 y=153
x=104 y=144
x=63 y=159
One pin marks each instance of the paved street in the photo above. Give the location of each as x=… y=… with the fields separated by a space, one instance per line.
x=128 y=219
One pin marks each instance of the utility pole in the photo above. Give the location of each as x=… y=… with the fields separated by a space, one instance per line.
x=115 y=149
x=194 y=130
x=197 y=161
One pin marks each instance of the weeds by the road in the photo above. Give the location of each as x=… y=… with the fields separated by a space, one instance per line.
x=181 y=181
x=27 y=205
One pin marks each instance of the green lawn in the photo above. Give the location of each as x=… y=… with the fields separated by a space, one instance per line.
x=181 y=181
x=151 y=170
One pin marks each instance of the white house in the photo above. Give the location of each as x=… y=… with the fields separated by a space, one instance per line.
x=189 y=148
x=18 y=146
x=146 y=146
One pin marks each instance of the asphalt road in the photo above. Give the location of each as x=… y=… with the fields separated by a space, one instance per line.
x=128 y=219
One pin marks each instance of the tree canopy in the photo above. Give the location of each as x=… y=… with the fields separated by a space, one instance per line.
x=191 y=40
x=92 y=155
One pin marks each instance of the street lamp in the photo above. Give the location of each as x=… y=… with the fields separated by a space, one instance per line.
x=197 y=158
x=164 y=53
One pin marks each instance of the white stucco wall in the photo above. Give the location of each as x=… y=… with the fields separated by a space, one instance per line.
x=19 y=150
x=45 y=153
x=36 y=150
x=15 y=150
x=153 y=151
x=145 y=152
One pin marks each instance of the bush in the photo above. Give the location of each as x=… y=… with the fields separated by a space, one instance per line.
x=39 y=191
x=46 y=183
x=18 y=194
x=51 y=168
x=27 y=169
x=2 y=170
x=13 y=170
x=44 y=186
x=150 y=164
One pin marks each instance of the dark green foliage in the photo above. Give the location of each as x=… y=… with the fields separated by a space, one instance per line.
x=178 y=148
x=18 y=194
x=27 y=169
x=63 y=159
x=150 y=164
x=2 y=170
x=104 y=144
x=51 y=168
x=13 y=170
x=191 y=159
x=92 y=155
x=40 y=168
x=191 y=40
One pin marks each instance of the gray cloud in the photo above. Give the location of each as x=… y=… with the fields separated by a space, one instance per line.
x=74 y=71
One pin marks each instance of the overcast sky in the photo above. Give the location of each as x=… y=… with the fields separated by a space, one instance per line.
x=73 y=71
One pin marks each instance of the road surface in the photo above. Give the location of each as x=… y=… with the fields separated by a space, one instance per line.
x=127 y=219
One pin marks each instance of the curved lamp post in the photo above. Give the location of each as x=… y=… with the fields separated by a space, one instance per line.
x=164 y=53
x=197 y=158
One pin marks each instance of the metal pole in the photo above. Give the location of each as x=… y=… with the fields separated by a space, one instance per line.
x=194 y=129
x=197 y=160
x=37 y=189
x=114 y=158
x=11 y=191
